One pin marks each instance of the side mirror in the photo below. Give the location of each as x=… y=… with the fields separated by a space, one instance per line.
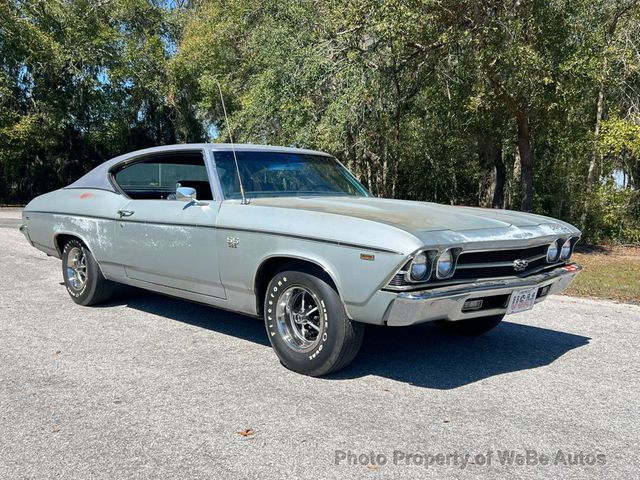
x=186 y=194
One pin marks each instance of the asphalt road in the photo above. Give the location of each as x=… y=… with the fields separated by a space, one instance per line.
x=153 y=387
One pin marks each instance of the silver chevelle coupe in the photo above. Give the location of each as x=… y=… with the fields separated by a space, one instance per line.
x=290 y=235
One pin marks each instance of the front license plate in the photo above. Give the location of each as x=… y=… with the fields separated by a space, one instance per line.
x=522 y=300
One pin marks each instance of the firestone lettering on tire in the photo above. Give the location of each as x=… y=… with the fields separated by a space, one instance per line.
x=324 y=335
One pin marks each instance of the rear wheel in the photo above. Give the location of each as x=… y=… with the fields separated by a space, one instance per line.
x=472 y=326
x=307 y=324
x=82 y=276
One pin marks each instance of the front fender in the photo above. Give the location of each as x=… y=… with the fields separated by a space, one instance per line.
x=356 y=278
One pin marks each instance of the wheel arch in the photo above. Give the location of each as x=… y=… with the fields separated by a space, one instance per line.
x=279 y=262
x=61 y=238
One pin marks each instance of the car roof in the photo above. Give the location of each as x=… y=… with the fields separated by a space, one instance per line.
x=99 y=176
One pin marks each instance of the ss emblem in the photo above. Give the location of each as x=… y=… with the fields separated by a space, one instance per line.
x=232 y=242
x=520 y=264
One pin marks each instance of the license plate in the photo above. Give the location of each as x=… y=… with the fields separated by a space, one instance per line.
x=522 y=300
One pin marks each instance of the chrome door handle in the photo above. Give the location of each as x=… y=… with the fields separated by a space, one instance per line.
x=125 y=213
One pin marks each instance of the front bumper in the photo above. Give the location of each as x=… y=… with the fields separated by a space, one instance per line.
x=446 y=303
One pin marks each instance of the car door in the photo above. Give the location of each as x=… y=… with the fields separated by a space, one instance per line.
x=164 y=241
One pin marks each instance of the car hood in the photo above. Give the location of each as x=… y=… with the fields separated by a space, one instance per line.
x=419 y=217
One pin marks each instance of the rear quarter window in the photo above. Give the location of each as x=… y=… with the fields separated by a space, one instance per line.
x=159 y=175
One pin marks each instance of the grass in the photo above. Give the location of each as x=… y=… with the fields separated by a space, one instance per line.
x=608 y=272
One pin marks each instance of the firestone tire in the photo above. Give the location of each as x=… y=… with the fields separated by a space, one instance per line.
x=471 y=327
x=307 y=324
x=82 y=276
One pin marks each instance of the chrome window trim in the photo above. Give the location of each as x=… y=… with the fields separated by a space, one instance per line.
x=129 y=161
x=218 y=187
x=215 y=180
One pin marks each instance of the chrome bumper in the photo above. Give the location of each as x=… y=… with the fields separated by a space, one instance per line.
x=25 y=231
x=446 y=303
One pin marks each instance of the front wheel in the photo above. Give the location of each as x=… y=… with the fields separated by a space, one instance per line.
x=472 y=326
x=307 y=324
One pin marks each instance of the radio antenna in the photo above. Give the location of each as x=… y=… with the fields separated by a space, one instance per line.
x=233 y=148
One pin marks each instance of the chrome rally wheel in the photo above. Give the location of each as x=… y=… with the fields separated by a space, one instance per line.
x=299 y=318
x=76 y=269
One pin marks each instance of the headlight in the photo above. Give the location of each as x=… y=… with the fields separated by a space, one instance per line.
x=553 y=252
x=445 y=264
x=565 y=253
x=419 y=267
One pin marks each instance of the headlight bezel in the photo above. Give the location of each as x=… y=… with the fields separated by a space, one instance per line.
x=432 y=258
x=569 y=243
x=420 y=259
x=561 y=244
x=430 y=255
x=557 y=245
x=452 y=269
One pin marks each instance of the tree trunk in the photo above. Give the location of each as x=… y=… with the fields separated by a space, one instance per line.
x=486 y=165
x=490 y=157
x=596 y=135
x=394 y=179
x=526 y=161
x=591 y=175
x=501 y=175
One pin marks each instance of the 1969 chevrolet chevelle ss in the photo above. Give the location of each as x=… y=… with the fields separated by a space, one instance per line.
x=290 y=235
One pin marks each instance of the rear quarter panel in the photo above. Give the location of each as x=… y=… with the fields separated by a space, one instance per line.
x=88 y=214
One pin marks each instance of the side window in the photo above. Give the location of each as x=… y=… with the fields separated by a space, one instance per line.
x=156 y=177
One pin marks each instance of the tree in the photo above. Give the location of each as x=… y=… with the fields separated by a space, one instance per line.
x=500 y=103
x=81 y=82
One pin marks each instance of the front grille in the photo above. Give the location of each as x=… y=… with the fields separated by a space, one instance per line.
x=481 y=265
x=499 y=263
x=501 y=255
x=398 y=280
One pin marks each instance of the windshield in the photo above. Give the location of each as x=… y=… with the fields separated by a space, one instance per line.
x=273 y=174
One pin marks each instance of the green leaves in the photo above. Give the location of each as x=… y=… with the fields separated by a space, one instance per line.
x=422 y=99
x=81 y=81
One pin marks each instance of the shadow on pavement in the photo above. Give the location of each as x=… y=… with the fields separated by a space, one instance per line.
x=204 y=316
x=421 y=355
x=425 y=356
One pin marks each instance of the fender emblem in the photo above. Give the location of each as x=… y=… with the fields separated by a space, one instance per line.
x=232 y=242
x=520 y=264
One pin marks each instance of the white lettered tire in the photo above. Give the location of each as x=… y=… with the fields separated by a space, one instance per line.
x=307 y=324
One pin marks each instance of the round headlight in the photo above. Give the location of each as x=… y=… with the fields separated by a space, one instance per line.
x=419 y=267
x=565 y=252
x=444 y=267
x=553 y=252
